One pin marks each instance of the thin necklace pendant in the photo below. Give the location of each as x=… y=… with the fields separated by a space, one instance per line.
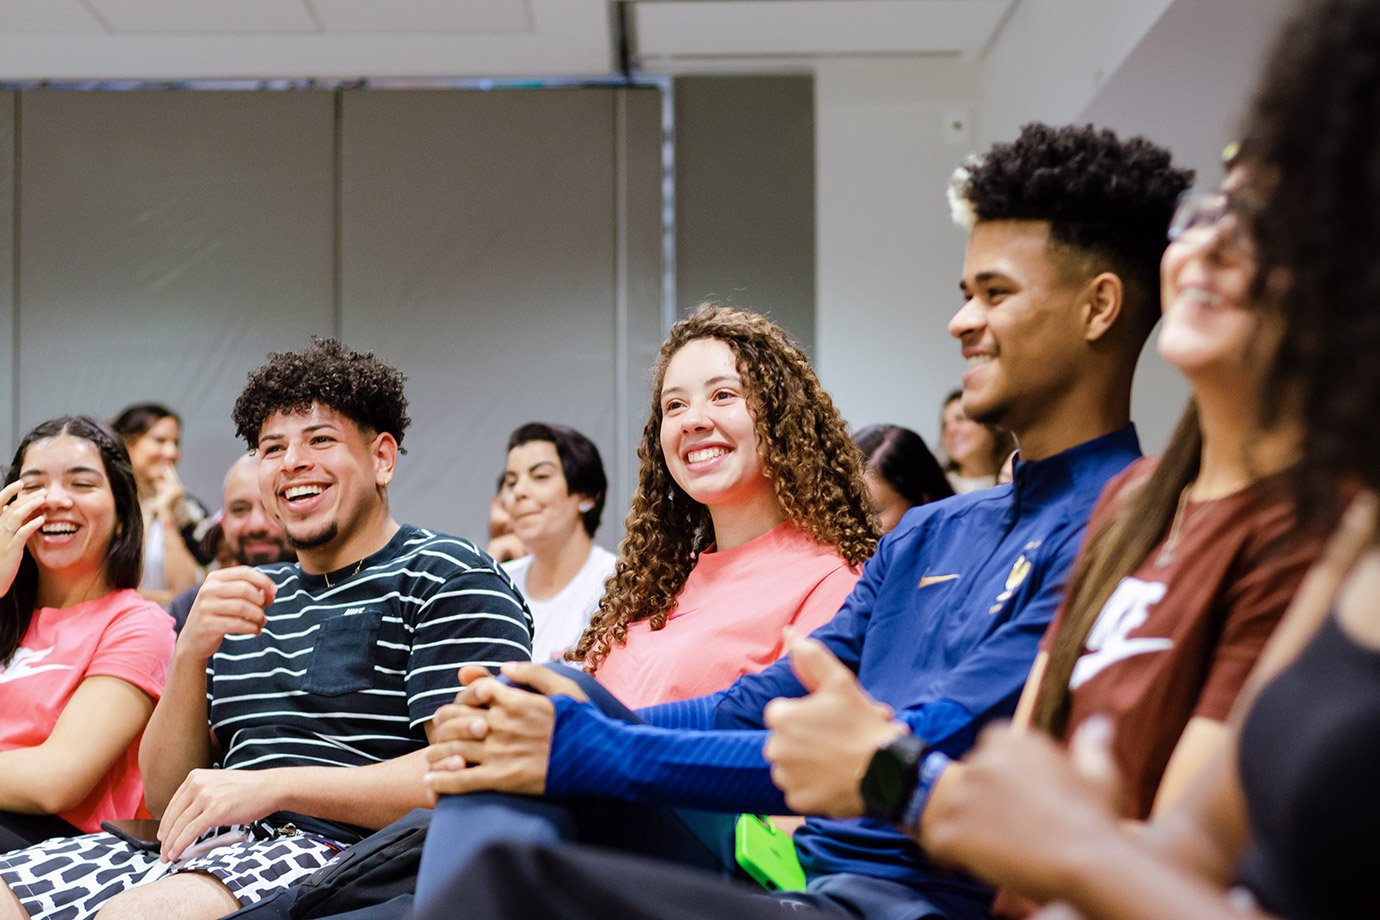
x=353 y=572
x=1166 y=553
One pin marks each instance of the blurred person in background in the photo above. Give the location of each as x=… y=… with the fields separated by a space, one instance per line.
x=899 y=471
x=974 y=452
x=152 y=434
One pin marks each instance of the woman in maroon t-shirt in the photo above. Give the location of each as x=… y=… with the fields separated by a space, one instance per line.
x=1192 y=558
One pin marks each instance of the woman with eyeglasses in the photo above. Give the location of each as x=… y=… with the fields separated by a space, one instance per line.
x=1288 y=814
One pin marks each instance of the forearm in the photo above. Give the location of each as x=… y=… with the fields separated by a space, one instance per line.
x=593 y=755
x=95 y=730
x=1117 y=877
x=177 y=740
x=697 y=714
x=372 y=796
x=33 y=782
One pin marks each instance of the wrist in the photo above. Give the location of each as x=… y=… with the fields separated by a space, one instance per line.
x=276 y=787
x=932 y=765
x=890 y=777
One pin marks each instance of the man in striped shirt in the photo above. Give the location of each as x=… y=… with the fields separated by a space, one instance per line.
x=317 y=679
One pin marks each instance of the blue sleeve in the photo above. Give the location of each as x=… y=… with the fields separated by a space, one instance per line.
x=703 y=753
x=697 y=713
x=741 y=705
x=987 y=683
x=594 y=755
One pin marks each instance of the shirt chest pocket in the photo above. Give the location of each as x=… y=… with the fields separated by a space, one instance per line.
x=342 y=660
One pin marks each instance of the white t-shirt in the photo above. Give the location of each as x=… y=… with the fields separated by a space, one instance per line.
x=560 y=620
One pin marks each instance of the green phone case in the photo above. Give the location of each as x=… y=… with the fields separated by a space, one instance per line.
x=767 y=854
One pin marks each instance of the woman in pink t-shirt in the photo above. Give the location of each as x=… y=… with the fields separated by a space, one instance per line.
x=750 y=515
x=83 y=657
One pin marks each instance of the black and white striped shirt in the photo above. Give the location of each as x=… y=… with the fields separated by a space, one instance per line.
x=347 y=674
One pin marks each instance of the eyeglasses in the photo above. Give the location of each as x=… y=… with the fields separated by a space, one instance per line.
x=1201 y=209
x=1212 y=211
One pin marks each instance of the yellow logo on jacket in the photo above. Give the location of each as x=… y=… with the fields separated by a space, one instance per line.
x=1019 y=572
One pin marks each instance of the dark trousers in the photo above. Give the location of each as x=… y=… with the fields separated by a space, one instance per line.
x=524 y=882
x=18 y=831
x=463 y=825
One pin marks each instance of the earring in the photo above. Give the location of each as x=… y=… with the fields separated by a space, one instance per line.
x=586 y=506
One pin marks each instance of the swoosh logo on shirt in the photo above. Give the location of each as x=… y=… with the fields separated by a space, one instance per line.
x=25 y=663
x=927 y=580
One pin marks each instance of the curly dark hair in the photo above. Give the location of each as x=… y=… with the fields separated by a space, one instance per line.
x=356 y=384
x=124 y=557
x=1103 y=197
x=1313 y=136
x=814 y=467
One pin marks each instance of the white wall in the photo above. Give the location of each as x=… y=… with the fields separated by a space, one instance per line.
x=1052 y=56
x=888 y=257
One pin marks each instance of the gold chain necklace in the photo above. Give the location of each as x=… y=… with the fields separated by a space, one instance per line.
x=352 y=574
x=1171 y=542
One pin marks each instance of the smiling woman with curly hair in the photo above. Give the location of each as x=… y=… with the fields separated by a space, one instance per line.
x=750 y=514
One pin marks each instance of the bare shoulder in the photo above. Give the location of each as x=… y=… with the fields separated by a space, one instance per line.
x=1358 y=605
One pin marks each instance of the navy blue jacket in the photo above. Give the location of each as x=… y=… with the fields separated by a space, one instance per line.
x=943 y=627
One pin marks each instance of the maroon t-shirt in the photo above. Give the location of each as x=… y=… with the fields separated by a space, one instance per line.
x=1177 y=638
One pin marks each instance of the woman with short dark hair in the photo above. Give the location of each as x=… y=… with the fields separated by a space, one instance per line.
x=553 y=491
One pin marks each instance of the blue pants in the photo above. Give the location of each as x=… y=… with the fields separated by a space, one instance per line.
x=463 y=825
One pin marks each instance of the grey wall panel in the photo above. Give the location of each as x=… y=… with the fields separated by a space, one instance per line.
x=643 y=240
x=8 y=101
x=478 y=254
x=169 y=241
x=745 y=195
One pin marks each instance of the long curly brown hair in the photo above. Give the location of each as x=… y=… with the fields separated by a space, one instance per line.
x=815 y=470
x=1315 y=128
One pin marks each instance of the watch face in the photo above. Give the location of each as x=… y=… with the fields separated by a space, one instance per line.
x=888 y=781
x=890 y=777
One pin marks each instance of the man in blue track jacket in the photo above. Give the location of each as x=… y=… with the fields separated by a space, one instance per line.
x=1060 y=283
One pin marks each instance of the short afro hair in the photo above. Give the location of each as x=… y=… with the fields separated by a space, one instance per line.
x=1102 y=196
x=356 y=384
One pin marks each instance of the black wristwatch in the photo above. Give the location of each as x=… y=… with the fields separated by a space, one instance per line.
x=890 y=778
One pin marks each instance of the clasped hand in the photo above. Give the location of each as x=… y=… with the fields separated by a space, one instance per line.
x=496 y=737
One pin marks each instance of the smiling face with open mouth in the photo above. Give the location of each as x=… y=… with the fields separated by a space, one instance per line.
x=78 y=507
x=1208 y=329
x=323 y=478
x=708 y=438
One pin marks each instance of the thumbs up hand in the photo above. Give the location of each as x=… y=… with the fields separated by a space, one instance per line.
x=820 y=744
